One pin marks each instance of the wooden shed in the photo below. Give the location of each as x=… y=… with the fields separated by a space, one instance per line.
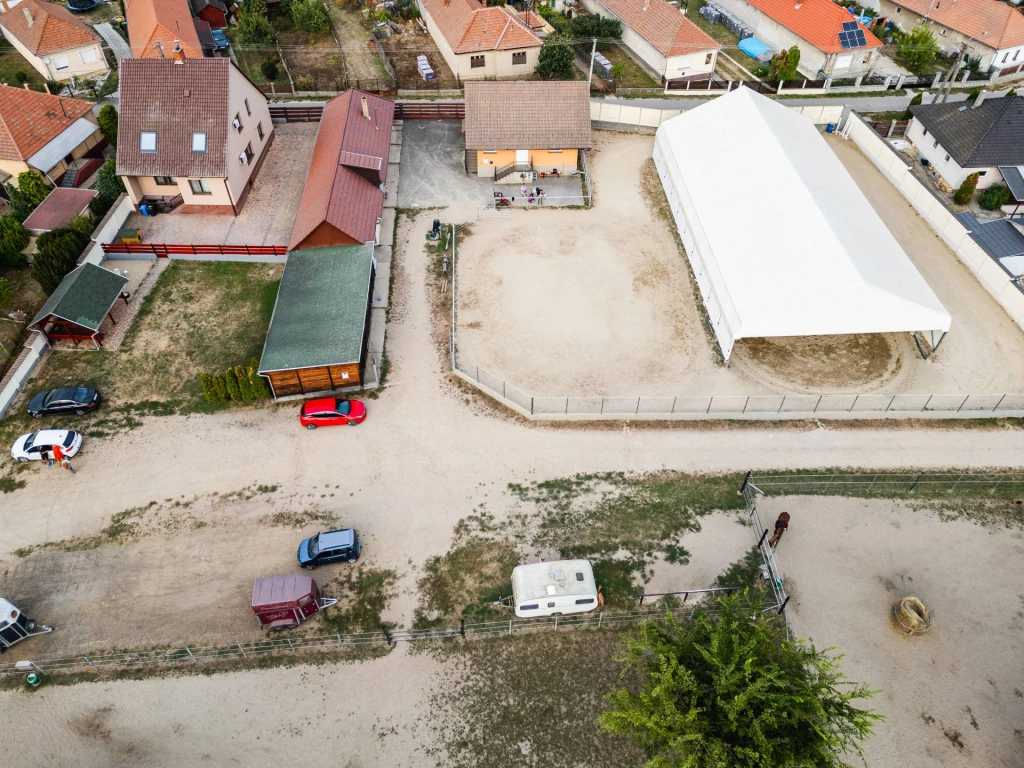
x=77 y=308
x=319 y=332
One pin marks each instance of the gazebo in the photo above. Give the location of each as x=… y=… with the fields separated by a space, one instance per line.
x=77 y=308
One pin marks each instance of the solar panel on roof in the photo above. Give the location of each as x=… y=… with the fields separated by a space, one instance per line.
x=849 y=26
x=844 y=39
x=860 y=39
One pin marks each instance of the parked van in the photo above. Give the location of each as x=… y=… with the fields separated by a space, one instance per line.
x=551 y=589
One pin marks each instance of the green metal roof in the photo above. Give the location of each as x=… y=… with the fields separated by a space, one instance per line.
x=321 y=309
x=84 y=296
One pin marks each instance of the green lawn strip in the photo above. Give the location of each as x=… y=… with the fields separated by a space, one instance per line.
x=363 y=594
x=633 y=75
x=12 y=62
x=465 y=583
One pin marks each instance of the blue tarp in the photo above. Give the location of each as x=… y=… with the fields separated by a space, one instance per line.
x=754 y=47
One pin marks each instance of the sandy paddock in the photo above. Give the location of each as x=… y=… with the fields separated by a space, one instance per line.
x=599 y=302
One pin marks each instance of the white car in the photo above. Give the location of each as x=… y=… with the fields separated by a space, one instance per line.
x=39 y=445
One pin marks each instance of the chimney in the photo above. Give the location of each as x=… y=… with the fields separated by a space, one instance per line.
x=28 y=16
x=178 y=53
x=366 y=108
x=981 y=98
x=159 y=48
x=647 y=4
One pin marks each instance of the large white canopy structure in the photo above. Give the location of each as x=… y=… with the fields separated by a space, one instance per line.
x=781 y=240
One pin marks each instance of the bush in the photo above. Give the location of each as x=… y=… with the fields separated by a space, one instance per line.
x=211 y=391
x=973 y=94
x=1011 y=93
x=83 y=225
x=269 y=69
x=57 y=253
x=6 y=293
x=243 y=383
x=309 y=16
x=966 y=192
x=555 y=59
x=231 y=380
x=99 y=206
x=783 y=66
x=253 y=26
x=995 y=197
x=260 y=391
x=21 y=76
x=918 y=48
x=304 y=83
x=918 y=98
x=13 y=239
x=108 y=123
x=108 y=183
x=594 y=25
x=554 y=18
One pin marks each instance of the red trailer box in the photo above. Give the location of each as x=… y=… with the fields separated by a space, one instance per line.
x=286 y=601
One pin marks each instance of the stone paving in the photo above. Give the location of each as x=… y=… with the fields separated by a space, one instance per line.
x=269 y=212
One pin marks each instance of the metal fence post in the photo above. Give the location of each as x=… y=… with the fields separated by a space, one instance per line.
x=290 y=645
x=241 y=651
x=510 y=626
x=600 y=618
x=90 y=663
x=189 y=652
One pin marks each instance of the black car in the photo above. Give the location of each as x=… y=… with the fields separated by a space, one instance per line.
x=77 y=400
x=80 y=6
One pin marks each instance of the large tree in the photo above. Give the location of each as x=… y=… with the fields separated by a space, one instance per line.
x=253 y=26
x=730 y=691
x=57 y=252
x=13 y=239
x=918 y=48
x=555 y=59
x=783 y=66
x=108 y=123
x=31 y=190
x=594 y=25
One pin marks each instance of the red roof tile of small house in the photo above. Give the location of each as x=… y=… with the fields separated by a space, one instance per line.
x=997 y=25
x=59 y=208
x=162 y=21
x=51 y=28
x=663 y=26
x=469 y=26
x=819 y=22
x=30 y=120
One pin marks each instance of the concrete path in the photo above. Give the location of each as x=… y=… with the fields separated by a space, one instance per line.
x=117 y=43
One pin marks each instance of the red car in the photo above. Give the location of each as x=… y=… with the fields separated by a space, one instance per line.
x=330 y=412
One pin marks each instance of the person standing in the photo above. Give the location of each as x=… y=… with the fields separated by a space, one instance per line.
x=781 y=526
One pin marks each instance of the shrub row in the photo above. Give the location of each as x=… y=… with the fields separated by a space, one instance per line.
x=240 y=384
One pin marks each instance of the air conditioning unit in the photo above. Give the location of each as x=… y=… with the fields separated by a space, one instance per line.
x=237 y=124
x=243 y=159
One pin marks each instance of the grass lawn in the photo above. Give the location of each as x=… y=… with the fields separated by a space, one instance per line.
x=728 y=40
x=28 y=297
x=200 y=316
x=250 y=61
x=99 y=14
x=12 y=62
x=633 y=75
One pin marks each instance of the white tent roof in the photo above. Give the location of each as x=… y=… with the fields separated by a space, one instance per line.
x=784 y=239
x=62 y=144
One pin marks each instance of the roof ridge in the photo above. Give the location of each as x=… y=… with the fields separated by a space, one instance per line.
x=508 y=20
x=1009 y=103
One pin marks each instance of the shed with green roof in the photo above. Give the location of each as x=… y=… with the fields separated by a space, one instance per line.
x=319 y=331
x=77 y=308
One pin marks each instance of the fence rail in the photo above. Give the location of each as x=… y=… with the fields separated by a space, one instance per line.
x=297 y=114
x=166 y=250
x=197 y=654
x=890 y=483
x=440 y=110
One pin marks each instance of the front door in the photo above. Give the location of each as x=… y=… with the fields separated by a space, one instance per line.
x=522 y=157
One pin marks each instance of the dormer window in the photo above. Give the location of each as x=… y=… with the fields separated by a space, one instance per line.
x=198 y=143
x=147 y=141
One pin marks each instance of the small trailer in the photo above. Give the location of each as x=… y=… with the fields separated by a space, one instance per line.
x=551 y=589
x=286 y=601
x=15 y=626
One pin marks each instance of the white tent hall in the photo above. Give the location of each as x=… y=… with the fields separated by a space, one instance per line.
x=781 y=240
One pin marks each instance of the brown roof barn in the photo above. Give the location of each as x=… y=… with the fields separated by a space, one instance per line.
x=524 y=114
x=46 y=27
x=343 y=196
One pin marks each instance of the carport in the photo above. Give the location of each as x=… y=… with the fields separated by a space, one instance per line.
x=781 y=240
x=77 y=308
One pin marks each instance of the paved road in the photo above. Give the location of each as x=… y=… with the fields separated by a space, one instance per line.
x=117 y=43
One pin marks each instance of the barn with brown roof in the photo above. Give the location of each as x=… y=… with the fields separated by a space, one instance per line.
x=48 y=134
x=525 y=126
x=56 y=44
x=480 y=42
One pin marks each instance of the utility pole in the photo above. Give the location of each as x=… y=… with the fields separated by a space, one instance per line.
x=947 y=86
x=593 y=50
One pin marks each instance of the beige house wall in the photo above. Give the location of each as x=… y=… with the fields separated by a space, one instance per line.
x=44 y=65
x=14 y=167
x=497 y=64
x=139 y=187
x=946 y=37
x=240 y=89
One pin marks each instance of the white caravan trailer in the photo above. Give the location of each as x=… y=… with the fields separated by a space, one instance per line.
x=551 y=589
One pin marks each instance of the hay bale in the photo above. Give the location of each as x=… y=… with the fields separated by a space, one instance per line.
x=911 y=616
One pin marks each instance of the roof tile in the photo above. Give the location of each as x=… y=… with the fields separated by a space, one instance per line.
x=470 y=27
x=997 y=25
x=985 y=136
x=819 y=22
x=30 y=120
x=52 y=28
x=662 y=25
x=527 y=114
x=162 y=21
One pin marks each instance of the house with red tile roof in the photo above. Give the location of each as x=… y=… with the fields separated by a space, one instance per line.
x=157 y=27
x=992 y=31
x=821 y=30
x=192 y=133
x=40 y=132
x=480 y=42
x=343 y=195
x=661 y=36
x=55 y=44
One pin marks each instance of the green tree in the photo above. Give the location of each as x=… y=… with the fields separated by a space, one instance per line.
x=259 y=385
x=966 y=192
x=253 y=26
x=270 y=70
x=595 y=25
x=108 y=183
x=57 y=253
x=555 y=59
x=309 y=16
x=13 y=239
x=783 y=65
x=918 y=48
x=995 y=197
x=108 y=123
x=1012 y=92
x=242 y=374
x=918 y=98
x=83 y=225
x=33 y=186
x=21 y=76
x=6 y=293
x=731 y=691
x=231 y=380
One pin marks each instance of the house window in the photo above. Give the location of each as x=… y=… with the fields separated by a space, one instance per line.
x=88 y=57
x=475 y=62
x=60 y=62
x=942 y=32
x=147 y=141
x=165 y=181
x=554 y=150
x=247 y=110
x=237 y=122
x=249 y=153
x=982 y=173
x=946 y=159
x=924 y=132
x=1016 y=54
x=899 y=10
x=935 y=143
x=707 y=59
x=259 y=130
x=199 y=187
x=198 y=143
x=1006 y=56
x=519 y=57
x=490 y=151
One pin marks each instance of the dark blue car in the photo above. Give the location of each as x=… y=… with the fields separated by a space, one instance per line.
x=220 y=40
x=329 y=547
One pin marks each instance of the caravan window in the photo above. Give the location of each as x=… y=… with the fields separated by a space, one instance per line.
x=551 y=605
x=579 y=576
x=585 y=601
x=532 y=607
